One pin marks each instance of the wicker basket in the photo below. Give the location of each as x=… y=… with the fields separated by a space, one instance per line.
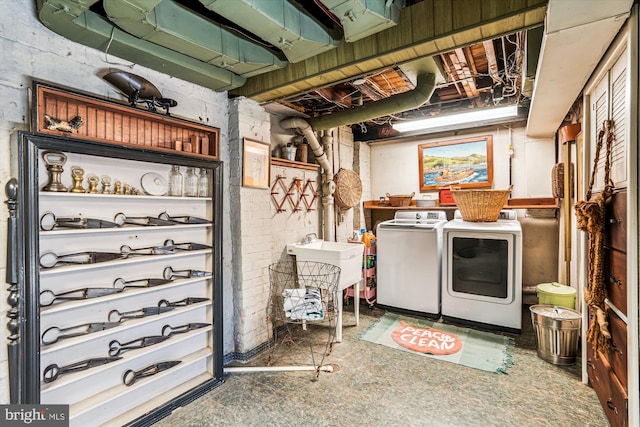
x=348 y=188
x=400 y=200
x=480 y=205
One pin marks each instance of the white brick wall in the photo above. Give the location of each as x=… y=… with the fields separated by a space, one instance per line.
x=31 y=51
x=251 y=232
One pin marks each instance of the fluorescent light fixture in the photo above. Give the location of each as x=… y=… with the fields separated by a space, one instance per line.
x=469 y=118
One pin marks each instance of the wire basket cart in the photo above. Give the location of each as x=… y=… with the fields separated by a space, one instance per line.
x=302 y=307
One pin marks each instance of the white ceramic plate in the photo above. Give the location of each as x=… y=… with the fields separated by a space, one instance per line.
x=154 y=184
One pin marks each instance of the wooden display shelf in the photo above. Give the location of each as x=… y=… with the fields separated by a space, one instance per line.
x=115 y=123
x=277 y=161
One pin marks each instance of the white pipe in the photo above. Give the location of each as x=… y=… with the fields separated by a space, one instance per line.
x=245 y=369
x=305 y=128
x=328 y=189
x=328 y=185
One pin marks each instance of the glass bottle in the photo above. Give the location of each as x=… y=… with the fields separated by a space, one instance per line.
x=175 y=181
x=191 y=182
x=203 y=183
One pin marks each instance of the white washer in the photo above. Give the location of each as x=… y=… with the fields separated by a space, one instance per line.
x=408 y=261
x=482 y=271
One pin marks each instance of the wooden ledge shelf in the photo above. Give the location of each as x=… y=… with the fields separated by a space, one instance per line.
x=526 y=203
x=276 y=161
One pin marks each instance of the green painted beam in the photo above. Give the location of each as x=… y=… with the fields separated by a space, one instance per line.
x=425 y=29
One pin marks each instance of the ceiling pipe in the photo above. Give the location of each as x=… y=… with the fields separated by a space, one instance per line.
x=426 y=84
x=169 y=24
x=281 y=23
x=76 y=21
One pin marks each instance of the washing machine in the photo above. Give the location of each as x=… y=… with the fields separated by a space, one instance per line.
x=408 y=261
x=482 y=271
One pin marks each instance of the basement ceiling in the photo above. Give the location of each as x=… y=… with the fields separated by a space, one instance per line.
x=320 y=57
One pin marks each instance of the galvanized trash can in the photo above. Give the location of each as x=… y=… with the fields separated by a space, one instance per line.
x=557 y=332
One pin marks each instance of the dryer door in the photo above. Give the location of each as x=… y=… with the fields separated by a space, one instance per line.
x=480 y=266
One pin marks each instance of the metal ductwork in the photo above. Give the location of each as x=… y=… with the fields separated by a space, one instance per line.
x=168 y=24
x=74 y=20
x=425 y=86
x=182 y=40
x=280 y=23
x=362 y=18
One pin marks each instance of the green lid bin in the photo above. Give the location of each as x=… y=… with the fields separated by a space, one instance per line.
x=556 y=294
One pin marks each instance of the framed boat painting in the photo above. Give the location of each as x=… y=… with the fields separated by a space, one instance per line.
x=464 y=163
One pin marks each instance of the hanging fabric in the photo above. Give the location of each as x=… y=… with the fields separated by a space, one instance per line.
x=591 y=218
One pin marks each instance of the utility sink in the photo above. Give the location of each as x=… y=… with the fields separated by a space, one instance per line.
x=347 y=256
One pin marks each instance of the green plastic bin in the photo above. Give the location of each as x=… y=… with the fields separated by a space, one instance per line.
x=556 y=294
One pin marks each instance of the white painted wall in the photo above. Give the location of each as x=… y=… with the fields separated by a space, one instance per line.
x=395 y=169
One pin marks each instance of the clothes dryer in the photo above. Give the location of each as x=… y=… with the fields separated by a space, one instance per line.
x=482 y=271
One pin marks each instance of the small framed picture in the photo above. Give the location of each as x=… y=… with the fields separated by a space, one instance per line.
x=256 y=157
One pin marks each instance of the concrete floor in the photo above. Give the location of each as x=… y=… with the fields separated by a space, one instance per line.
x=378 y=386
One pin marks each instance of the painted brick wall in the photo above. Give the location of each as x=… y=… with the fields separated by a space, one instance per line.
x=251 y=229
x=31 y=51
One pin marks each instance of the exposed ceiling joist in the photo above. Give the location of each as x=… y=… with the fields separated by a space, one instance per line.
x=425 y=29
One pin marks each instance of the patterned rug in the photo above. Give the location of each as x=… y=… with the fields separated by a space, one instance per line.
x=464 y=346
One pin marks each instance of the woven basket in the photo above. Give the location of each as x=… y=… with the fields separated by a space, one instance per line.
x=480 y=205
x=348 y=188
x=400 y=200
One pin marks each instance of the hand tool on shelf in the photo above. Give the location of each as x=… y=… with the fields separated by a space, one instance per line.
x=50 y=259
x=49 y=221
x=182 y=302
x=130 y=376
x=127 y=250
x=53 y=371
x=122 y=284
x=121 y=219
x=48 y=297
x=186 y=246
x=116 y=347
x=170 y=273
x=168 y=330
x=118 y=316
x=183 y=219
x=54 y=333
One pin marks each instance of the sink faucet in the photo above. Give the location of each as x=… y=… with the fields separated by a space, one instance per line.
x=309 y=238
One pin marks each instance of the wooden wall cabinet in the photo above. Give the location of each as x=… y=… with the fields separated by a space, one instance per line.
x=115 y=123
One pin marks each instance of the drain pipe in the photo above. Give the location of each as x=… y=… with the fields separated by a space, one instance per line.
x=328 y=186
x=328 y=201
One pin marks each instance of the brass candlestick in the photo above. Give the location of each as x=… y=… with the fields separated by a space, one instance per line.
x=77 y=173
x=54 y=161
